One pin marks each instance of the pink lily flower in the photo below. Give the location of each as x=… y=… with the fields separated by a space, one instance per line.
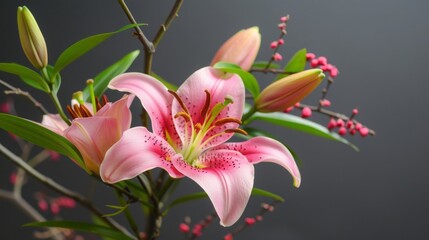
x=94 y=135
x=189 y=131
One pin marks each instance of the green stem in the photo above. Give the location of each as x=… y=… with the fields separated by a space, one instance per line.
x=128 y=215
x=248 y=115
x=57 y=104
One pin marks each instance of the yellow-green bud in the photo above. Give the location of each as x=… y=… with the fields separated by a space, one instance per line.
x=289 y=90
x=31 y=38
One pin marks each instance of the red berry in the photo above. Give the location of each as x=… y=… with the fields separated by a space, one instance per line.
x=289 y=109
x=349 y=124
x=306 y=112
x=333 y=72
x=277 y=57
x=281 y=41
x=284 y=19
x=342 y=131
x=325 y=103
x=340 y=122
x=332 y=124
x=184 y=227
x=322 y=60
x=43 y=205
x=273 y=45
x=250 y=221
x=228 y=237
x=314 y=63
x=310 y=56
x=358 y=126
x=352 y=131
x=364 y=131
x=355 y=111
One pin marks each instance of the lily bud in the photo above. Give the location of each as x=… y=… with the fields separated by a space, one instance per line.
x=31 y=38
x=241 y=49
x=289 y=90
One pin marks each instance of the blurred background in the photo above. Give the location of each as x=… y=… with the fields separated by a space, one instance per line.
x=381 y=49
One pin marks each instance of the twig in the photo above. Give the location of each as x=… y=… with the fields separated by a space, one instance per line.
x=62 y=190
x=270 y=70
x=17 y=91
x=170 y=18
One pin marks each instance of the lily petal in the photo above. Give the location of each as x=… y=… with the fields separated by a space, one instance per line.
x=263 y=149
x=154 y=97
x=137 y=151
x=227 y=178
x=54 y=122
x=119 y=110
x=93 y=137
x=220 y=86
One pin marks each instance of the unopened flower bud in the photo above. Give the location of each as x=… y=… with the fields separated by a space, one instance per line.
x=289 y=90
x=31 y=38
x=241 y=49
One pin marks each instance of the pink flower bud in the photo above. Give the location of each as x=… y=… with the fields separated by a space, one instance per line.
x=228 y=237
x=332 y=124
x=322 y=60
x=333 y=72
x=184 y=227
x=54 y=155
x=364 y=131
x=12 y=178
x=314 y=63
x=273 y=45
x=355 y=111
x=259 y=218
x=55 y=208
x=349 y=124
x=306 y=112
x=310 y=56
x=352 y=131
x=325 y=103
x=340 y=122
x=358 y=126
x=289 y=109
x=43 y=205
x=282 y=26
x=241 y=49
x=277 y=57
x=289 y=90
x=250 y=221
x=281 y=41
x=284 y=19
x=4 y=107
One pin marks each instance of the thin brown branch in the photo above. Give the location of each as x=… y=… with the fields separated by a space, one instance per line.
x=17 y=91
x=174 y=13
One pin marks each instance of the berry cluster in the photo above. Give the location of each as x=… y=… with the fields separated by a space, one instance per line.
x=46 y=203
x=280 y=41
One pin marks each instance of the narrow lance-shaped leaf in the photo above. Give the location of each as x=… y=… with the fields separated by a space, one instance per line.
x=250 y=82
x=103 y=78
x=84 y=227
x=295 y=64
x=263 y=65
x=27 y=75
x=83 y=46
x=261 y=192
x=300 y=124
x=40 y=136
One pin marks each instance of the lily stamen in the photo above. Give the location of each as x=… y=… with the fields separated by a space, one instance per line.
x=223 y=121
x=206 y=104
x=236 y=130
x=182 y=104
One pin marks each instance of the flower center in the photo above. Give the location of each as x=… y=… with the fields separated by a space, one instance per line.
x=196 y=134
x=79 y=110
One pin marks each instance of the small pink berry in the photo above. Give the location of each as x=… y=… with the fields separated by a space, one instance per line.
x=355 y=111
x=66 y=202
x=364 y=131
x=54 y=155
x=284 y=19
x=322 y=60
x=342 y=131
x=310 y=56
x=55 y=208
x=277 y=57
x=306 y=112
x=282 y=26
x=289 y=109
x=314 y=63
x=250 y=221
x=333 y=72
x=184 y=227
x=4 y=107
x=43 y=205
x=12 y=178
x=297 y=104
x=273 y=44
x=259 y=218
x=325 y=103
x=349 y=124
x=271 y=208
x=358 y=126
x=197 y=230
x=352 y=131
x=332 y=124
x=228 y=237
x=340 y=122
x=281 y=41
x=324 y=68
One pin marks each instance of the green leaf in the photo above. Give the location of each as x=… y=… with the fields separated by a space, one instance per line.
x=57 y=80
x=260 y=192
x=165 y=82
x=186 y=198
x=83 y=46
x=103 y=78
x=300 y=124
x=27 y=75
x=119 y=209
x=84 y=227
x=296 y=63
x=40 y=136
x=249 y=80
x=263 y=65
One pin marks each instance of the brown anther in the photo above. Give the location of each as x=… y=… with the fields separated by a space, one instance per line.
x=77 y=110
x=84 y=111
x=198 y=126
x=206 y=104
x=104 y=101
x=236 y=130
x=71 y=112
x=184 y=115
x=97 y=104
x=223 y=121
x=182 y=104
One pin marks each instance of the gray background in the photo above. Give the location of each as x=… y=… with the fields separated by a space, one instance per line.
x=381 y=49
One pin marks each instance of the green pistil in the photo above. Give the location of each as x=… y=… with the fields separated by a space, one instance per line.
x=90 y=84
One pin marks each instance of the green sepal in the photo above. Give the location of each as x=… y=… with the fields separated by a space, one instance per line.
x=296 y=63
